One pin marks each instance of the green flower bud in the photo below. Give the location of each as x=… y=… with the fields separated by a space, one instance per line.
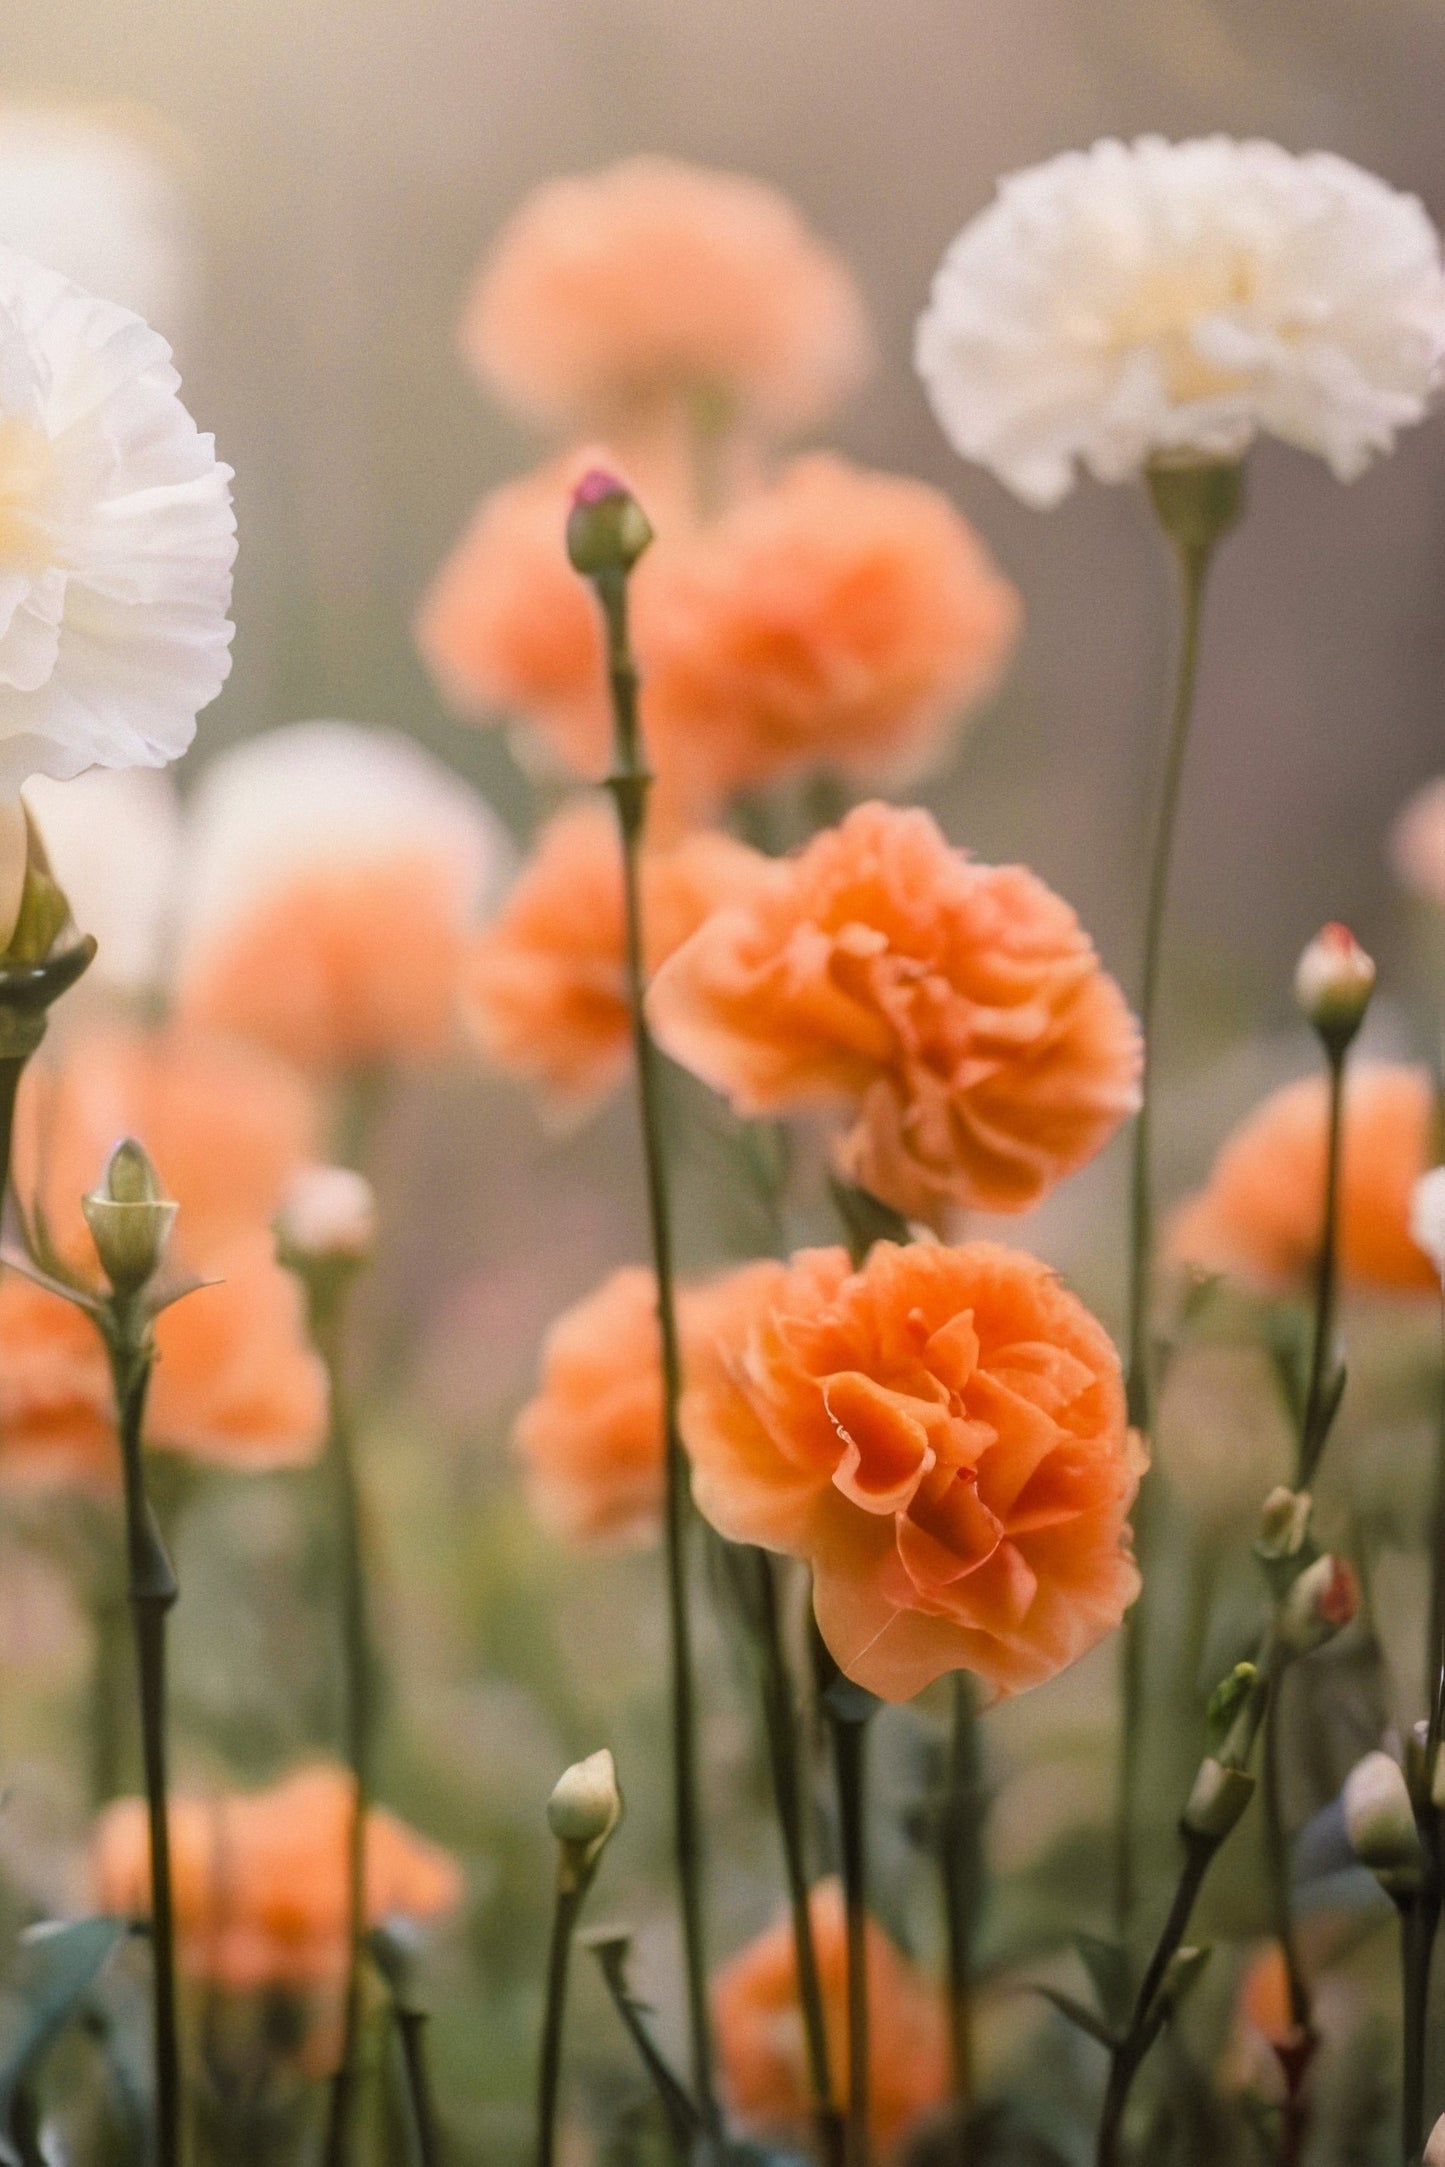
x=585 y=1808
x=607 y=529
x=1283 y=1523
x=130 y=1218
x=1380 y=1823
x=1217 y=1800
x=1333 y=981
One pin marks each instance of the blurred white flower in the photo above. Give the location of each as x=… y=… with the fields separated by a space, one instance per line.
x=116 y=538
x=328 y=1214
x=1427 y=1217
x=1164 y=299
x=113 y=839
x=99 y=203
x=330 y=875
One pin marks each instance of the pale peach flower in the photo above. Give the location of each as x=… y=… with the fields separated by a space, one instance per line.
x=941 y=1435
x=508 y=629
x=840 y=618
x=236 y=1381
x=957 y=1011
x=260 y=1886
x=1417 y=843
x=760 y=2028
x=590 y=1440
x=654 y=282
x=544 y=987
x=331 y=876
x=1260 y=1215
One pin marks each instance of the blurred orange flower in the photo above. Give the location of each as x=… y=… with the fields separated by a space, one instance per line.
x=839 y=618
x=590 y=1439
x=1417 y=843
x=544 y=987
x=236 y=1380
x=508 y=629
x=332 y=876
x=941 y=1434
x=958 y=1010
x=760 y=2029
x=1260 y=1215
x=260 y=1878
x=653 y=283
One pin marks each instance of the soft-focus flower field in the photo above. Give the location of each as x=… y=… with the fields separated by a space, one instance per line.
x=684 y=1473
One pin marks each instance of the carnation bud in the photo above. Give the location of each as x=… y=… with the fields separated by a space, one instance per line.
x=1185 y=1968
x=1380 y=1823
x=1333 y=981
x=1427 y=1216
x=1219 y=1797
x=1434 y=2152
x=328 y=1215
x=1319 y=1604
x=607 y=529
x=130 y=1217
x=1283 y=1523
x=585 y=1807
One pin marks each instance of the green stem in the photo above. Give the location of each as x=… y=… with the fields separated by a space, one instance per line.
x=411 y=2029
x=1419 y=1918
x=1315 y=1421
x=1195 y=508
x=12 y=1068
x=152 y=1592
x=779 y=1725
x=629 y=785
x=961 y=1865
x=549 y=2074
x=1148 y=2019
x=850 y=1756
x=357 y=1717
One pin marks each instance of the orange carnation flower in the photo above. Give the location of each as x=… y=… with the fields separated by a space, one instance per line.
x=760 y=2034
x=509 y=630
x=591 y=1439
x=941 y=1435
x=544 y=987
x=260 y=1885
x=1261 y=1213
x=655 y=282
x=839 y=618
x=236 y=1380
x=958 y=1010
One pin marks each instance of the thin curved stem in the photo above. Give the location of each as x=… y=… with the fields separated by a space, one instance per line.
x=850 y=1761
x=549 y=2072
x=1419 y=1918
x=629 y=784
x=1193 y=566
x=1318 y=1407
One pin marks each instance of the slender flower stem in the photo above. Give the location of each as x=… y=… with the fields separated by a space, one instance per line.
x=629 y=784
x=1419 y=1918
x=1319 y=1392
x=1148 y=2018
x=549 y=2075
x=152 y=1592
x=358 y=1725
x=779 y=1725
x=961 y=1859
x=411 y=2030
x=12 y=1068
x=850 y=1758
x=1196 y=507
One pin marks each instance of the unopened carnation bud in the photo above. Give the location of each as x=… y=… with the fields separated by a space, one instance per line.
x=1333 y=981
x=1427 y=1217
x=607 y=529
x=1283 y=1523
x=586 y=1805
x=1219 y=1797
x=1380 y=1823
x=130 y=1217
x=1319 y=1604
x=1434 y=2152
x=327 y=1215
x=1186 y=1966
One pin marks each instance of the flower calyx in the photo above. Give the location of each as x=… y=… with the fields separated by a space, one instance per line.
x=130 y=1218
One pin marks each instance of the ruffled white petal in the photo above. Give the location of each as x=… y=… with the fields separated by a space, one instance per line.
x=1148 y=299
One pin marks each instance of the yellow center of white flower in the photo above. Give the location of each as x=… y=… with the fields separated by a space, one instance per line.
x=1164 y=307
x=27 y=466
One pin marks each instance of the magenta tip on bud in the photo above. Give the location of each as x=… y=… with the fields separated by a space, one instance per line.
x=596 y=485
x=607 y=529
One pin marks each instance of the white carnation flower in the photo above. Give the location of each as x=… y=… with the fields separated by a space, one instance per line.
x=319 y=796
x=1427 y=1216
x=116 y=538
x=99 y=203
x=1153 y=299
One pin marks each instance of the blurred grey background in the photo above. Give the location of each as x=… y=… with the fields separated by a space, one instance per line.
x=348 y=160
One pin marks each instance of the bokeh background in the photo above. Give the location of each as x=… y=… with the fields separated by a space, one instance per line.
x=345 y=163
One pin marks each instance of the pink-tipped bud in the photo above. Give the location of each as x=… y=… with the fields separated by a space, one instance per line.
x=607 y=529
x=1320 y=1603
x=1333 y=981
